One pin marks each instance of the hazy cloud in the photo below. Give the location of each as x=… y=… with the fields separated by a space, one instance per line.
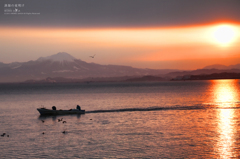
x=120 y=13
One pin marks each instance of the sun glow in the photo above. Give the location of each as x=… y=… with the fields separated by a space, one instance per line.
x=224 y=34
x=164 y=44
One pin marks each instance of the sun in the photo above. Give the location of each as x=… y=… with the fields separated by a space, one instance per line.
x=224 y=34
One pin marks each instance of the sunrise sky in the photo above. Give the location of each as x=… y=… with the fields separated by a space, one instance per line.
x=174 y=34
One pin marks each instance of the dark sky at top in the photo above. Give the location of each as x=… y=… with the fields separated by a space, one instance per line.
x=120 y=13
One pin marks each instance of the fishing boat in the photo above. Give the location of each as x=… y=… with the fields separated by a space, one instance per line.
x=54 y=111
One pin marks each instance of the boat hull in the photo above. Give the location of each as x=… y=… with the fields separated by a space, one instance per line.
x=44 y=111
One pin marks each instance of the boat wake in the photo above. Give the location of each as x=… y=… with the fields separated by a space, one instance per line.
x=162 y=108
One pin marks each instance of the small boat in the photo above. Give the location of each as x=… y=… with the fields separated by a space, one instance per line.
x=44 y=111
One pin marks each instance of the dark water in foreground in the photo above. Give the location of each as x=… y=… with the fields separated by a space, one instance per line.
x=194 y=119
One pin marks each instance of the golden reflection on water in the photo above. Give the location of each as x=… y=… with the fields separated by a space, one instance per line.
x=226 y=130
x=225 y=96
x=225 y=92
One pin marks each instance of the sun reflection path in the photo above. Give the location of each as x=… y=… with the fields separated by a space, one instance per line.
x=225 y=96
x=225 y=93
x=226 y=130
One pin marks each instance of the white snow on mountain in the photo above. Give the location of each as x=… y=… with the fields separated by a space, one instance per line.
x=16 y=67
x=61 y=56
x=62 y=71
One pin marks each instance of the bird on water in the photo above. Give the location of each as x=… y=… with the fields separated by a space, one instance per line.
x=3 y=134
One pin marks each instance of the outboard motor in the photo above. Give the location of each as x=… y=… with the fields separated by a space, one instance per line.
x=53 y=108
x=78 y=107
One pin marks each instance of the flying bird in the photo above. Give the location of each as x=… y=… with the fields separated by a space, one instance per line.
x=64 y=121
x=92 y=56
x=42 y=121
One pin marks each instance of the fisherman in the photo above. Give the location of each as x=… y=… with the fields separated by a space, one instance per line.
x=78 y=107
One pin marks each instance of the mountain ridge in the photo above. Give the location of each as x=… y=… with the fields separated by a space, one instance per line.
x=57 y=66
x=223 y=67
x=65 y=65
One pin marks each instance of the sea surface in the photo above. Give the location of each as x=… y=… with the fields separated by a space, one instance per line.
x=185 y=119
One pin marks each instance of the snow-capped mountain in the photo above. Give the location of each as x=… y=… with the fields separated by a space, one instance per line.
x=61 y=56
x=64 y=65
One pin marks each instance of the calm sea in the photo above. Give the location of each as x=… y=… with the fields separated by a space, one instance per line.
x=187 y=119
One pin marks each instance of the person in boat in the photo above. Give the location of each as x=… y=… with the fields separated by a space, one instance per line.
x=78 y=107
x=54 y=108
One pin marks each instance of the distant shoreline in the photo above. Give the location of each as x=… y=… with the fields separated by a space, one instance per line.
x=214 y=76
